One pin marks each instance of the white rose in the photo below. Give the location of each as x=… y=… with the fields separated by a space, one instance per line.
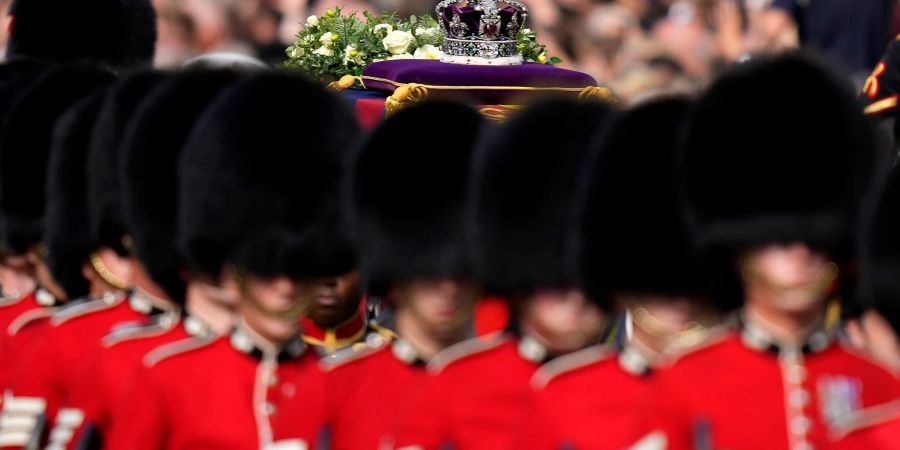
x=383 y=26
x=297 y=52
x=401 y=56
x=421 y=31
x=324 y=51
x=312 y=21
x=325 y=40
x=397 y=42
x=428 y=52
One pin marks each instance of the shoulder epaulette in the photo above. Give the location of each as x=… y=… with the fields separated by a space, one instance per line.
x=567 y=363
x=343 y=359
x=384 y=331
x=89 y=307
x=130 y=333
x=28 y=317
x=464 y=349
x=11 y=300
x=169 y=350
x=865 y=418
x=714 y=335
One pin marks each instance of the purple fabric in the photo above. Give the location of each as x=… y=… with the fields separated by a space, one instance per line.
x=443 y=74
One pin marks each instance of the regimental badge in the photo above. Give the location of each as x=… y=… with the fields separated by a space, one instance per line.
x=839 y=396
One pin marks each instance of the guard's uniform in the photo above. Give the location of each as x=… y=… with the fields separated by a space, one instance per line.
x=87 y=412
x=15 y=313
x=364 y=408
x=711 y=395
x=477 y=395
x=44 y=376
x=882 y=89
x=590 y=399
x=223 y=393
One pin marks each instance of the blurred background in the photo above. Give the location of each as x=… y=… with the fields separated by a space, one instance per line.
x=632 y=46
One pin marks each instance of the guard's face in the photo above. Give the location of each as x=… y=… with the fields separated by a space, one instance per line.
x=16 y=276
x=566 y=319
x=331 y=300
x=271 y=306
x=795 y=276
x=442 y=306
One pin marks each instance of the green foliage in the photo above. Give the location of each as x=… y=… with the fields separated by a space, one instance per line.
x=334 y=45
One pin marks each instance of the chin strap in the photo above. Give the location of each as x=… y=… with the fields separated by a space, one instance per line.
x=107 y=275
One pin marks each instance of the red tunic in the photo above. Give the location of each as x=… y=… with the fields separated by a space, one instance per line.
x=592 y=399
x=223 y=394
x=477 y=396
x=371 y=393
x=45 y=374
x=741 y=391
x=343 y=340
x=101 y=386
x=14 y=314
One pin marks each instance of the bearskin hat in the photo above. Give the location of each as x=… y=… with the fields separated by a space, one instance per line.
x=407 y=192
x=104 y=156
x=778 y=151
x=521 y=198
x=879 y=253
x=260 y=177
x=67 y=235
x=151 y=149
x=25 y=148
x=117 y=34
x=634 y=237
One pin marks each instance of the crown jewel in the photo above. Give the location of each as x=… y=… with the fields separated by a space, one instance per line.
x=482 y=32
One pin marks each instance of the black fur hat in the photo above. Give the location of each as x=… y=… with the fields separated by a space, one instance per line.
x=25 y=148
x=521 y=204
x=407 y=194
x=259 y=180
x=634 y=235
x=104 y=179
x=878 y=287
x=118 y=34
x=778 y=151
x=152 y=146
x=67 y=235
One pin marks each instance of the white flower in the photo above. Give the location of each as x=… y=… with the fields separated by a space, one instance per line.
x=428 y=52
x=397 y=42
x=312 y=21
x=324 y=51
x=421 y=31
x=297 y=52
x=351 y=54
x=383 y=26
x=326 y=40
x=526 y=31
x=401 y=56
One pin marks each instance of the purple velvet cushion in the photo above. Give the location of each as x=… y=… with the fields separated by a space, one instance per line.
x=507 y=83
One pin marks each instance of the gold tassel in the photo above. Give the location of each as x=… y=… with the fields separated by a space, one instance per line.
x=346 y=82
x=597 y=93
x=404 y=96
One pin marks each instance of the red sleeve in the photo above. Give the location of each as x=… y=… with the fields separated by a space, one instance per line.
x=424 y=428
x=34 y=396
x=141 y=419
x=80 y=409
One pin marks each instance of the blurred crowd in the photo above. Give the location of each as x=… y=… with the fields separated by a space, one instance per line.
x=632 y=46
